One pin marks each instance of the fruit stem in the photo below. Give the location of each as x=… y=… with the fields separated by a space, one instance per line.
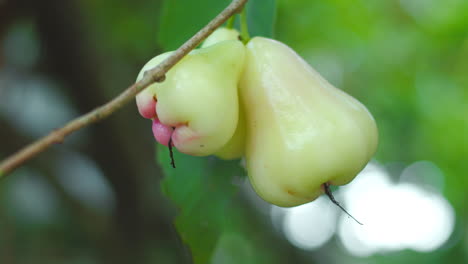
x=171 y=154
x=244 y=26
x=230 y=22
x=328 y=192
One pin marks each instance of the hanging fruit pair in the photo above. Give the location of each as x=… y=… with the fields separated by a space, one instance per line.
x=297 y=132
x=197 y=106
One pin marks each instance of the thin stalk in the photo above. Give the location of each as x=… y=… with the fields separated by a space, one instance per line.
x=244 y=26
x=230 y=22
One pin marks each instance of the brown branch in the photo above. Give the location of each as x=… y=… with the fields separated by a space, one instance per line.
x=154 y=75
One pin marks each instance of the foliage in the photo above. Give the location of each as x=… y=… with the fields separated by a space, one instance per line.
x=407 y=61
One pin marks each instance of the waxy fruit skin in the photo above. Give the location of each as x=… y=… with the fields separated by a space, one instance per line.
x=199 y=98
x=301 y=131
x=235 y=147
x=221 y=34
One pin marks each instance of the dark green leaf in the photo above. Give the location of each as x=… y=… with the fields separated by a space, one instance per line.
x=181 y=19
x=261 y=16
x=202 y=190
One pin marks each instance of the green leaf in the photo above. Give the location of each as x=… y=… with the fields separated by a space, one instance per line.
x=261 y=15
x=233 y=248
x=202 y=190
x=182 y=18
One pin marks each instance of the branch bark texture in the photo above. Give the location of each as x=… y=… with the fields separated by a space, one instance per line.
x=157 y=74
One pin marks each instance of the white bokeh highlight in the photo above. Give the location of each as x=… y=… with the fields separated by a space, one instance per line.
x=84 y=180
x=31 y=199
x=397 y=215
x=300 y=223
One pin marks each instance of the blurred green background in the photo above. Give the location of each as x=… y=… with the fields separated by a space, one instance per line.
x=101 y=197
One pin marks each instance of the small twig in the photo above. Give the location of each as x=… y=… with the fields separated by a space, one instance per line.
x=154 y=75
x=328 y=192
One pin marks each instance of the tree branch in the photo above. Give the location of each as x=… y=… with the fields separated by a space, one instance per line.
x=154 y=75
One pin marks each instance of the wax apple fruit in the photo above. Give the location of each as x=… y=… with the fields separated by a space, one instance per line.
x=235 y=147
x=219 y=35
x=301 y=131
x=197 y=105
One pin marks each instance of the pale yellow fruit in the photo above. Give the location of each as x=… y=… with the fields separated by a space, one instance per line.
x=198 y=98
x=221 y=34
x=235 y=147
x=301 y=131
